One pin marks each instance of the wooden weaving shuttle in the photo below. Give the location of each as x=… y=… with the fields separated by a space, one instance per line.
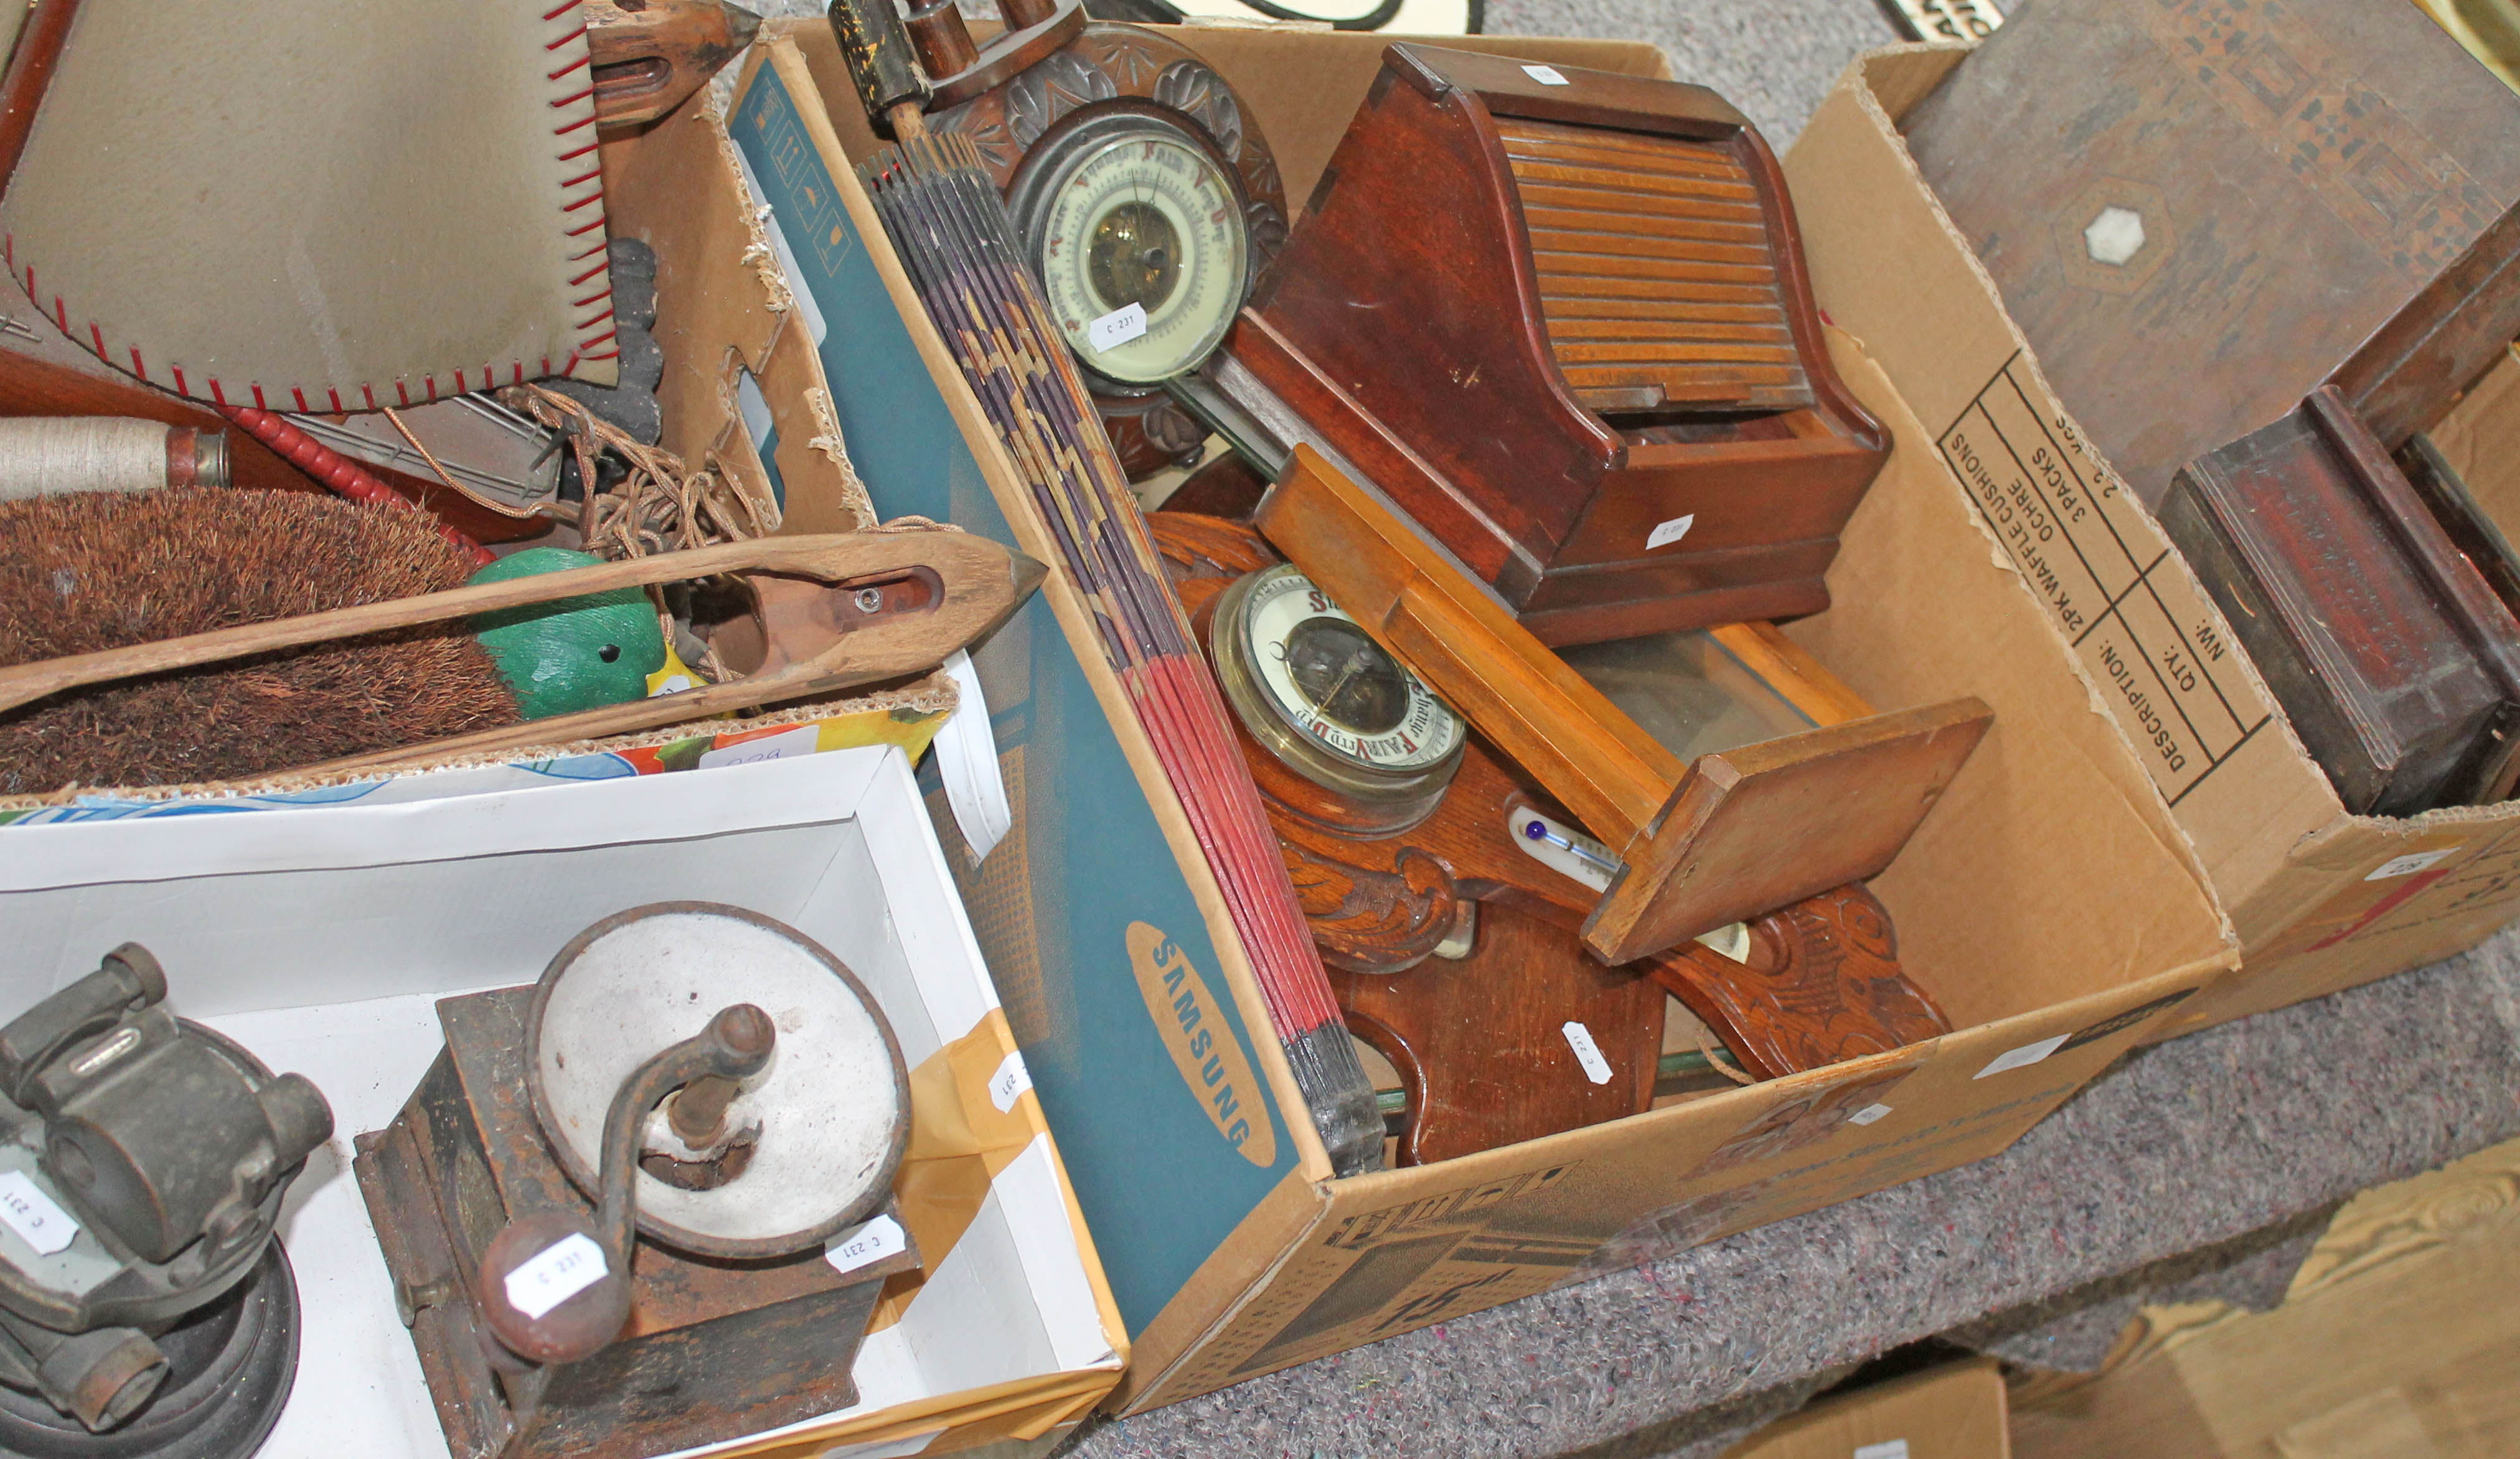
x=831 y=612
x=647 y=56
x=1734 y=836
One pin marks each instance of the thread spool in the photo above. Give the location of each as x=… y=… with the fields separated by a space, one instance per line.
x=52 y=456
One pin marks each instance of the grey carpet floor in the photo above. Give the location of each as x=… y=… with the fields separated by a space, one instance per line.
x=2221 y=1143
x=1773 y=59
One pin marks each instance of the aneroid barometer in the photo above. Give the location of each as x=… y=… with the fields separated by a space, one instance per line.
x=1319 y=694
x=1142 y=192
x=1137 y=232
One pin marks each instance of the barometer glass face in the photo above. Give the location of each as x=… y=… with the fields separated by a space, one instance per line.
x=1141 y=245
x=1334 y=686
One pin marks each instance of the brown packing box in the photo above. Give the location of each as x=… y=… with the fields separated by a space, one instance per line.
x=2321 y=900
x=1954 y=1412
x=2049 y=903
x=717 y=298
x=2396 y=1338
x=723 y=313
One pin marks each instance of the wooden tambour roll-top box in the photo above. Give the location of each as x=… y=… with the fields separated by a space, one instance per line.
x=2199 y=211
x=1562 y=318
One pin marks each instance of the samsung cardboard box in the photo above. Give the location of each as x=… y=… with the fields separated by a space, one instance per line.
x=2321 y=900
x=2049 y=903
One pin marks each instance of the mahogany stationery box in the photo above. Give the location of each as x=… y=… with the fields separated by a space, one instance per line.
x=2198 y=212
x=1562 y=318
x=2394 y=658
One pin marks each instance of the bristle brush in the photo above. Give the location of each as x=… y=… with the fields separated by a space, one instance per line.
x=87 y=573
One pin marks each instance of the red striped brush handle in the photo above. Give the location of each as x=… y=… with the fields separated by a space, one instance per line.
x=338 y=473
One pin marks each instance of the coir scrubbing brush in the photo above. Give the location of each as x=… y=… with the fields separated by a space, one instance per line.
x=949 y=227
x=86 y=573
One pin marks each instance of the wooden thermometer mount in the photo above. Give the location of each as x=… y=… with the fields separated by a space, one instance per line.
x=1703 y=845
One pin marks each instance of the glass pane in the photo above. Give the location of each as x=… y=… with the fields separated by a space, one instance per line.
x=1687 y=691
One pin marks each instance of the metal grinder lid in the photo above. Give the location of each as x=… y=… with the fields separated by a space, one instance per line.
x=834 y=1102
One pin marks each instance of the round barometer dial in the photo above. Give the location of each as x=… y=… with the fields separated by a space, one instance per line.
x=1321 y=695
x=1138 y=234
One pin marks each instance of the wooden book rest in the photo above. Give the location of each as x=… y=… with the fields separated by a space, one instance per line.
x=1604 y=274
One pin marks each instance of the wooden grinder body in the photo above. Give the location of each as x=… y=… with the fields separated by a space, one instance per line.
x=715 y=1350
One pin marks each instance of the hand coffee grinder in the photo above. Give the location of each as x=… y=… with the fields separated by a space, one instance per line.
x=607 y=1208
x=146 y=1311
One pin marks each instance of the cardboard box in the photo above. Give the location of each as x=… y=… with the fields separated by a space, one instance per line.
x=2480 y=438
x=1954 y=1412
x=2321 y=900
x=320 y=937
x=2048 y=904
x=738 y=396
x=910 y=718
x=2398 y=1338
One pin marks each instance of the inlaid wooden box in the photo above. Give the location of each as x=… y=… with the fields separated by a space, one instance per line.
x=2394 y=660
x=2198 y=212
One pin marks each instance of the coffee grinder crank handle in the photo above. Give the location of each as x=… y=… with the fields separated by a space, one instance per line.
x=707 y=1068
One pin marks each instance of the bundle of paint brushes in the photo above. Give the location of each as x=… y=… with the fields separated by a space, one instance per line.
x=950 y=228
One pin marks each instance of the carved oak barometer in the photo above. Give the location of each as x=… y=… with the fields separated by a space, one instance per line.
x=1141 y=190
